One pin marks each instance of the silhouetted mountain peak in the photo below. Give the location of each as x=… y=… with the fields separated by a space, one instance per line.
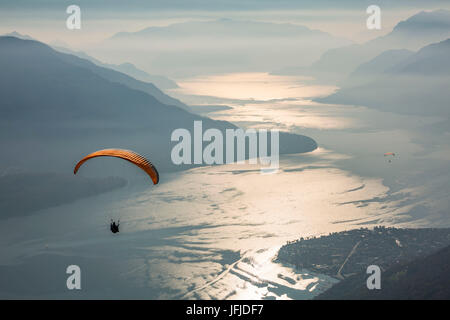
x=223 y=26
x=18 y=35
x=425 y=22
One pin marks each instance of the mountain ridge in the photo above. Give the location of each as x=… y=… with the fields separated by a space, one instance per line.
x=336 y=64
x=55 y=104
x=427 y=71
x=191 y=48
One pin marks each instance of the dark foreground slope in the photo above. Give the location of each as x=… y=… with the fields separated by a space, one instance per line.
x=23 y=193
x=423 y=278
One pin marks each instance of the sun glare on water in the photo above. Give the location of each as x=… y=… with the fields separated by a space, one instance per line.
x=251 y=86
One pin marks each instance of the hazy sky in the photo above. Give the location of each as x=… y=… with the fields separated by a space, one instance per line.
x=45 y=19
x=219 y=5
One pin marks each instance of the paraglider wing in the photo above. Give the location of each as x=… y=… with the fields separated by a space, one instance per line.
x=128 y=155
x=389 y=154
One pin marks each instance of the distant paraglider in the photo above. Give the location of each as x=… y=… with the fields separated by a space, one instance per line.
x=128 y=155
x=389 y=154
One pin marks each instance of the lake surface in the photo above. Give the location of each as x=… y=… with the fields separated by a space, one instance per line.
x=213 y=232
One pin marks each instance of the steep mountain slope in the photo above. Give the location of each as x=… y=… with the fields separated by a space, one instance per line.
x=23 y=193
x=111 y=73
x=130 y=69
x=56 y=108
x=372 y=69
x=127 y=68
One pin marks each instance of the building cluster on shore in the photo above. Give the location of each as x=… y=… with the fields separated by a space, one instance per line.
x=343 y=254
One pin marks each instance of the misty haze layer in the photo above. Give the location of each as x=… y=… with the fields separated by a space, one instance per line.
x=212 y=232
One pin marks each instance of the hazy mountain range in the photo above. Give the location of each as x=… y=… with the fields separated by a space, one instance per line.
x=63 y=106
x=218 y=46
x=57 y=107
x=415 y=32
x=26 y=192
x=405 y=82
x=129 y=69
x=115 y=75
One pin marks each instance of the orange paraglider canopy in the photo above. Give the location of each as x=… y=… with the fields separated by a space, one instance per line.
x=128 y=155
x=389 y=154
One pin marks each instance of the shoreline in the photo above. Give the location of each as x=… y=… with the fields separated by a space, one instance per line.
x=383 y=246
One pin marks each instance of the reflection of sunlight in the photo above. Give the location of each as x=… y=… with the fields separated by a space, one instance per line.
x=262 y=100
x=256 y=86
x=285 y=116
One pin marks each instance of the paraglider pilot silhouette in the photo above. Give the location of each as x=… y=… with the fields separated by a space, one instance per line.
x=128 y=155
x=114 y=227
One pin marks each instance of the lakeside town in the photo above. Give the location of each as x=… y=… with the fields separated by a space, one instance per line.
x=343 y=254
